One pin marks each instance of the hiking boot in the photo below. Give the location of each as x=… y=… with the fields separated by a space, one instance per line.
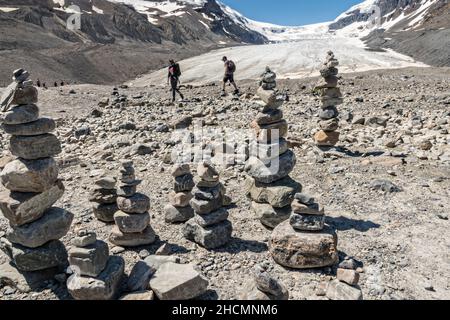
x=236 y=91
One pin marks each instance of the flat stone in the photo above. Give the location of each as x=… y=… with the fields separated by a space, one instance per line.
x=105 y=212
x=52 y=254
x=53 y=225
x=131 y=223
x=304 y=198
x=209 y=193
x=104 y=287
x=303 y=250
x=206 y=184
x=348 y=276
x=24 y=281
x=203 y=207
x=21 y=114
x=105 y=196
x=270 y=98
x=328 y=113
x=139 y=296
x=269 y=172
x=328 y=82
x=331 y=102
x=127 y=190
x=119 y=238
x=138 y=203
x=184 y=183
x=267 y=133
x=270 y=216
x=84 y=239
x=266 y=152
x=311 y=209
x=38 y=127
x=328 y=71
x=211 y=218
x=178 y=215
x=180 y=199
x=90 y=260
x=142 y=271
x=22 y=208
x=271 y=116
x=211 y=237
x=178 y=170
x=337 y=290
x=329 y=125
x=250 y=292
x=178 y=282
x=279 y=194
x=267 y=284
x=108 y=183
x=207 y=172
x=326 y=139
x=35 y=147
x=331 y=92
x=307 y=222
x=30 y=175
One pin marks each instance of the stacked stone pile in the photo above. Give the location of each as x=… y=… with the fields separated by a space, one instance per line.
x=304 y=241
x=271 y=161
x=345 y=287
x=331 y=96
x=104 y=199
x=31 y=182
x=179 y=209
x=210 y=227
x=96 y=275
x=263 y=286
x=132 y=227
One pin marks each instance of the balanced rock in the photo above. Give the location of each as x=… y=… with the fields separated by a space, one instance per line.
x=30 y=176
x=52 y=226
x=89 y=260
x=104 y=287
x=21 y=114
x=303 y=250
x=35 y=147
x=38 y=127
x=52 y=254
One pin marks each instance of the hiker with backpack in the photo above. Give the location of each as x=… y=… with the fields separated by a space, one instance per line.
x=174 y=79
x=230 y=69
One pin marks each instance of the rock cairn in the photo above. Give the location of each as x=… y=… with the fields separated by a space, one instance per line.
x=304 y=241
x=210 y=227
x=331 y=96
x=104 y=199
x=179 y=209
x=345 y=287
x=31 y=182
x=132 y=227
x=271 y=161
x=96 y=275
x=263 y=286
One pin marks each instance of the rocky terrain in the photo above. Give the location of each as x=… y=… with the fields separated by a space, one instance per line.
x=386 y=190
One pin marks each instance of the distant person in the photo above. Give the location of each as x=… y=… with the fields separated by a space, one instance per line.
x=56 y=84
x=174 y=79
x=230 y=69
x=44 y=85
x=38 y=83
x=62 y=83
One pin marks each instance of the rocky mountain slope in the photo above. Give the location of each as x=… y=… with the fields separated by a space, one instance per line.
x=36 y=37
x=418 y=28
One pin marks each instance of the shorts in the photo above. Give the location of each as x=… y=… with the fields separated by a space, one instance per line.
x=228 y=77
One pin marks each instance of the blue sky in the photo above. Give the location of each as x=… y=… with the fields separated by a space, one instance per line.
x=291 y=12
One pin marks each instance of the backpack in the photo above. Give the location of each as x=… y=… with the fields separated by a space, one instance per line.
x=176 y=70
x=231 y=66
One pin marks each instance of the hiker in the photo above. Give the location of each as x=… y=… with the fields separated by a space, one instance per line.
x=55 y=84
x=230 y=68
x=38 y=83
x=174 y=79
x=62 y=83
